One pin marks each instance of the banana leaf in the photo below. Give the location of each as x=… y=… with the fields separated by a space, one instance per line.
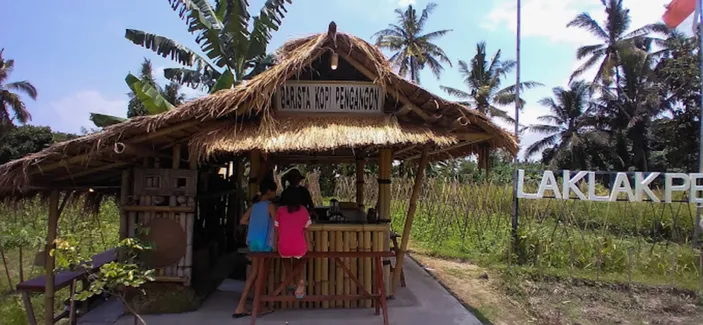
x=148 y=95
x=102 y=120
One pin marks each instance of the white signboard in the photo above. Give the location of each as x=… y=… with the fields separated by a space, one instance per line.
x=329 y=98
x=637 y=191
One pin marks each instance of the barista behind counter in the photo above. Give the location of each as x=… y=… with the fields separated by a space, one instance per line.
x=293 y=178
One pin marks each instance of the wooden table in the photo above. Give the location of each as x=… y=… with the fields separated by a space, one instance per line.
x=261 y=261
x=62 y=280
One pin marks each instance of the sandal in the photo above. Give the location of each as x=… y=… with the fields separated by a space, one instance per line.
x=240 y=315
x=300 y=290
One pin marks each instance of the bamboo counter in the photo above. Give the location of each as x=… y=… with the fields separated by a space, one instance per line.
x=324 y=277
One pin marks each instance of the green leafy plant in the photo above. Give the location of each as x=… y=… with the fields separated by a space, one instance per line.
x=114 y=278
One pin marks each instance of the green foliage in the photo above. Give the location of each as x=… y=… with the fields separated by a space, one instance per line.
x=113 y=278
x=232 y=40
x=12 y=107
x=149 y=96
x=103 y=120
x=18 y=142
x=23 y=226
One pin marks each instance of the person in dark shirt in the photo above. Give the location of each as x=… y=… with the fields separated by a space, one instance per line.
x=294 y=177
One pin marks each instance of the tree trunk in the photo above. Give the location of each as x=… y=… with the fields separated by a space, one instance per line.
x=413 y=72
x=21 y=265
x=7 y=271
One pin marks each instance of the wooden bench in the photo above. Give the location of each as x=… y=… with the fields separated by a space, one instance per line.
x=260 y=261
x=62 y=280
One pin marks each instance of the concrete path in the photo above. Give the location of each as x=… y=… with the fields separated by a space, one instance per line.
x=423 y=302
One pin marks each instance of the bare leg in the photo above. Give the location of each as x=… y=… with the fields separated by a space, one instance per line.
x=300 y=289
x=241 y=307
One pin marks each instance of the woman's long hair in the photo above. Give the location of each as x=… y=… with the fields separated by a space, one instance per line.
x=292 y=199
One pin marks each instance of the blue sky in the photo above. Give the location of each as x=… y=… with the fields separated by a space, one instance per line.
x=77 y=57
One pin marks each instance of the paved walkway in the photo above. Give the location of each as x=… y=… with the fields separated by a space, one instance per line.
x=423 y=302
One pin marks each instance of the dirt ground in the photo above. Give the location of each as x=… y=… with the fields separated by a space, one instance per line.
x=553 y=301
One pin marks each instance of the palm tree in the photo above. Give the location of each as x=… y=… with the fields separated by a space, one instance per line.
x=614 y=37
x=483 y=79
x=413 y=49
x=628 y=113
x=232 y=49
x=12 y=108
x=565 y=125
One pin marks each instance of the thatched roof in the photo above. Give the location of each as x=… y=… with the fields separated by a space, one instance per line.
x=317 y=134
x=90 y=160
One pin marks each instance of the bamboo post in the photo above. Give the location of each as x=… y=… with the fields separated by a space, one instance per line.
x=332 y=280
x=385 y=162
x=325 y=267
x=190 y=221
x=254 y=162
x=339 y=283
x=367 y=266
x=417 y=187
x=173 y=202
x=124 y=215
x=318 y=266
x=347 y=281
x=354 y=246
x=49 y=265
x=360 y=173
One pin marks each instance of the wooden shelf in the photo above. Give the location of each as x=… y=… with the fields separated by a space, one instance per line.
x=147 y=208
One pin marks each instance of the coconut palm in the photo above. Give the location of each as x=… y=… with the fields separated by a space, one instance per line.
x=413 y=49
x=483 y=78
x=233 y=42
x=12 y=107
x=565 y=128
x=614 y=37
x=628 y=113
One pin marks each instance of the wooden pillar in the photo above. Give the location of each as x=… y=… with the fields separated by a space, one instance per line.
x=417 y=187
x=124 y=194
x=385 y=165
x=360 y=173
x=254 y=166
x=49 y=265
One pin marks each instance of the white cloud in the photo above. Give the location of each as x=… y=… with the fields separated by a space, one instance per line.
x=548 y=18
x=405 y=3
x=72 y=112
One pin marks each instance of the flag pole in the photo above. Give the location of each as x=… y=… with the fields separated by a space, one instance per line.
x=699 y=224
x=514 y=219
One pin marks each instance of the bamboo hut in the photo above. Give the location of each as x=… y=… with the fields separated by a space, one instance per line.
x=331 y=98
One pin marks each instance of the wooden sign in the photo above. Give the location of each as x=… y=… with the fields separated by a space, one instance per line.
x=355 y=98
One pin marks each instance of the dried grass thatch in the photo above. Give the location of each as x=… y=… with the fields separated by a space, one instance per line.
x=316 y=134
x=250 y=101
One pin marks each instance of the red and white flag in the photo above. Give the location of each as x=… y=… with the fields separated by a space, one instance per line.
x=677 y=11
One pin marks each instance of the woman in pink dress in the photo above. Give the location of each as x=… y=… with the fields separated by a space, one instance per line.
x=292 y=221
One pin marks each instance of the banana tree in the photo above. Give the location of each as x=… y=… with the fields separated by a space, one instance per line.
x=233 y=42
x=148 y=95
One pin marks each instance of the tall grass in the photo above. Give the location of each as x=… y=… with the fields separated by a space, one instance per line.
x=645 y=242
